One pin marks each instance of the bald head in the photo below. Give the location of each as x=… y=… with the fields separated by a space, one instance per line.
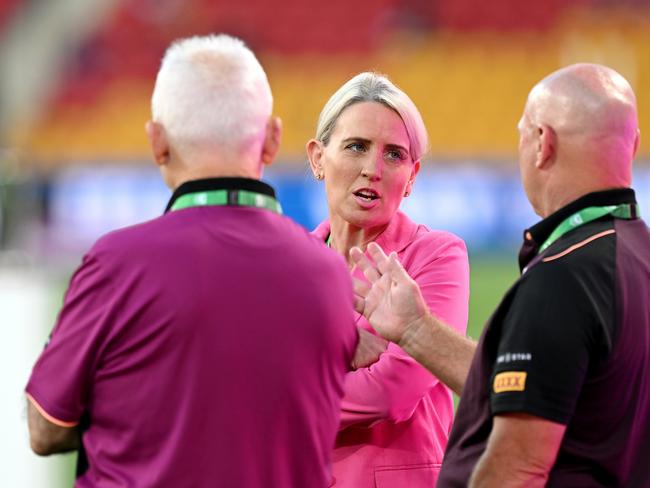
x=587 y=99
x=584 y=117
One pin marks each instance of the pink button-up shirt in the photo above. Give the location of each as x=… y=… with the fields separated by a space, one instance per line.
x=396 y=416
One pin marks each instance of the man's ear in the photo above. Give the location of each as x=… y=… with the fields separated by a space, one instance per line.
x=158 y=141
x=271 y=144
x=547 y=146
x=637 y=140
x=314 y=149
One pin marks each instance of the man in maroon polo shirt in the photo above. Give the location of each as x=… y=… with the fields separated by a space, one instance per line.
x=206 y=347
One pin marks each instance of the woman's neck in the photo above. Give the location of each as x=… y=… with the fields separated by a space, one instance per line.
x=344 y=236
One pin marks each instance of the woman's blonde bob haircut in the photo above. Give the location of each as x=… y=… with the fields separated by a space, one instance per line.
x=374 y=87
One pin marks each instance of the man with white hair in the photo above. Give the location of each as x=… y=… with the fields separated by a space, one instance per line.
x=186 y=354
x=558 y=393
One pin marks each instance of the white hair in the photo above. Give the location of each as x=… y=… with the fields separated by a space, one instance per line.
x=373 y=87
x=210 y=92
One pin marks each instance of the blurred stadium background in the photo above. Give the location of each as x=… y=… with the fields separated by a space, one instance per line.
x=75 y=82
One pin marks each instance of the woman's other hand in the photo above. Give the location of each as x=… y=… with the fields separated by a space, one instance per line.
x=369 y=349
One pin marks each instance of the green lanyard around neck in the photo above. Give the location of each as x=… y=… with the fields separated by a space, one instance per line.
x=241 y=198
x=626 y=211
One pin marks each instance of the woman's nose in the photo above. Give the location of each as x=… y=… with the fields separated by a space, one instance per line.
x=372 y=167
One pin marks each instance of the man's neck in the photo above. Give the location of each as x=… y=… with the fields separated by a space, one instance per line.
x=204 y=173
x=559 y=198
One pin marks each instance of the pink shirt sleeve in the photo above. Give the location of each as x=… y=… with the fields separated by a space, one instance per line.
x=391 y=388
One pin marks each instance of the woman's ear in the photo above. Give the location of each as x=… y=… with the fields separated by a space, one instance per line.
x=414 y=172
x=315 y=155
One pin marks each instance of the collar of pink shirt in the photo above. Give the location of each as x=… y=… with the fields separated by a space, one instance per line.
x=399 y=233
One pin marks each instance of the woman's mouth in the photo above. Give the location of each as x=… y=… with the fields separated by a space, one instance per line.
x=367 y=194
x=366 y=197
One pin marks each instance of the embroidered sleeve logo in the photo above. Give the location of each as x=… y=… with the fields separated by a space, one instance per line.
x=509 y=381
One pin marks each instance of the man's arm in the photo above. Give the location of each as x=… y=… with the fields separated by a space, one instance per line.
x=440 y=349
x=47 y=437
x=394 y=306
x=521 y=451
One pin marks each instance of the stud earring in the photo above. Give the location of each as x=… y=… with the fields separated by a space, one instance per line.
x=407 y=193
x=320 y=175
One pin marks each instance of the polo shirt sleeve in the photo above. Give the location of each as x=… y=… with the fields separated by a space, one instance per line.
x=548 y=339
x=440 y=267
x=60 y=382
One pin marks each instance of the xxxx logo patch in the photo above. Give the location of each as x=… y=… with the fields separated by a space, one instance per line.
x=509 y=381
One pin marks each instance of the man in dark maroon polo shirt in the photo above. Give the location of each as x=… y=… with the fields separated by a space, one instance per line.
x=558 y=393
x=207 y=347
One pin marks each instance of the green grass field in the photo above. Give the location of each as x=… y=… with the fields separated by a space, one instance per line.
x=490 y=278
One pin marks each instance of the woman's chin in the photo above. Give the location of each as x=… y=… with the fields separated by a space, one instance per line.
x=365 y=220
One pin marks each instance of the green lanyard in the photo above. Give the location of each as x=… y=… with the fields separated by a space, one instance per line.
x=626 y=211
x=227 y=197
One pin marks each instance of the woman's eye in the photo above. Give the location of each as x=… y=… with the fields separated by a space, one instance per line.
x=356 y=147
x=396 y=155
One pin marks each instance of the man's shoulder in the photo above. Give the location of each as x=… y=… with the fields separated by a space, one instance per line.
x=129 y=237
x=173 y=233
x=583 y=250
x=315 y=253
x=578 y=262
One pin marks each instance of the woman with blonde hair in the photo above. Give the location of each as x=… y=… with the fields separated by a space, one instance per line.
x=396 y=416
